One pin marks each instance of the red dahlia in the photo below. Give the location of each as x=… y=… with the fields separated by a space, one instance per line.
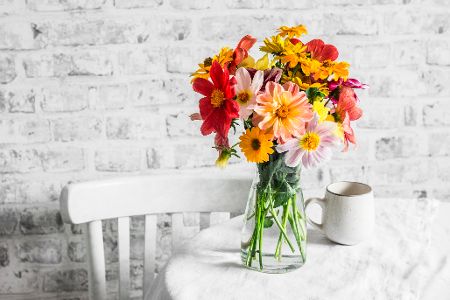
x=217 y=108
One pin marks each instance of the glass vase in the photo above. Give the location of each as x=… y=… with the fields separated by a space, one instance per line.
x=274 y=234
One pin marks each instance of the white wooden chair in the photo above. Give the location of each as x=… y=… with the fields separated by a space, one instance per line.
x=92 y=202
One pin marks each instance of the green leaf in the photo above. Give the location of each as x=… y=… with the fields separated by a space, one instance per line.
x=268 y=222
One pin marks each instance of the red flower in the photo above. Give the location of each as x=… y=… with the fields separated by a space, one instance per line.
x=347 y=105
x=321 y=51
x=217 y=108
x=349 y=135
x=241 y=52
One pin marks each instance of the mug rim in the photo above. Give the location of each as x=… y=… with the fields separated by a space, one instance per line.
x=351 y=195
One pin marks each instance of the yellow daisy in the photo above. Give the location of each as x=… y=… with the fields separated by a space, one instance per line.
x=225 y=56
x=340 y=70
x=293 y=54
x=291 y=32
x=256 y=145
x=273 y=45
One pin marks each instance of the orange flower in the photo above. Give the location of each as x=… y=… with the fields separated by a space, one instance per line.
x=284 y=109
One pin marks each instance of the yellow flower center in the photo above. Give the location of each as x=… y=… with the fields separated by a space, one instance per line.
x=256 y=144
x=310 y=141
x=242 y=98
x=217 y=97
x=282 y=111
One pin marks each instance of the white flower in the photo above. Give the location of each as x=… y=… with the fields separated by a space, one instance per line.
x=246 y=90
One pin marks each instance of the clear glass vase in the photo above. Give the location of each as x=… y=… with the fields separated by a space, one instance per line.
x=274 y=234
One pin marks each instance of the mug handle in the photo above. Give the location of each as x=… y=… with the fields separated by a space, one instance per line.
x=321 y=203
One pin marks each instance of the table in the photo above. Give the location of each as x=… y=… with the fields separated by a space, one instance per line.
x=408 y=257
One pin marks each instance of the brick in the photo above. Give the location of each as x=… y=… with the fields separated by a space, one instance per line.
x=43 y=251
x=436 y=52
x=77 y=129
x=112 y=96
x=372 y=56
x=76 y=251
x=62 y=160
x=180 y=58
x=400 y=172
x=137 y=246
x=118 y=160
x=353 y=172
x=7 y=7
x=40 y=220
x=136 y=275
x=174 y=29
x=180 y=90
x=63 y=5
x=199 y=4
x=436 y=81
x=9 y=219
x=66 y=280
x=231 y=28
x=435 y=114
x=405 y=82
x=372 y=112
x=4 y=256
x=111 y=247
x=182 y=155
x=408 y=53
x=23 y=102
x=66 y=98
x=76 y=63
x=141 y=61
x=180 y=124
x=5 y=96
x=237 y=4
x=94 y=32
x=142 y=127
x=439 y=143
x=404 y=21
x=19 y=161
x=437 y=22
x=291 y=4
x=13 y=190
x=24 y=131
x=137 y=3
x=151 y=92
x=7 y=68
x=400 y=145
x=16 y=36
x=355 y=22
x=19 y=281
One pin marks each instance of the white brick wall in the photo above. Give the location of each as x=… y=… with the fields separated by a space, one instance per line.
x=98 y=88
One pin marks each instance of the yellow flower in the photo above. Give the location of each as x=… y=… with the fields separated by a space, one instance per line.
x=292 y=31
x=293 y=54
x=321 y=110
x=273 y=45
x=304 y=85
x=340 y=70
x=256 y=145
x=263 y=63
x=311 y=66
x=339 y=131
x=225 y=55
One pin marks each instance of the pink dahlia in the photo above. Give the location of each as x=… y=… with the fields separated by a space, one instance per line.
x=313 y=147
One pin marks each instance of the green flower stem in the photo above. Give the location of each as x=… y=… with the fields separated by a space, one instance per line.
x=295 y=226
x=274 y=215
x=283 y=223
x=261 y=229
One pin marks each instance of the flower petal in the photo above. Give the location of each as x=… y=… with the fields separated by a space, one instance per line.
x=202 y=86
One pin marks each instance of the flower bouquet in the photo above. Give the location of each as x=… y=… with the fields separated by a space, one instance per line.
x=295 y=105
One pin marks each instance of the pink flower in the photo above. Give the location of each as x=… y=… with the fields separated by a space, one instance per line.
x=284 y=110
x=347 y=104
x=350 y=83
x=349 y=135
x=246 y=91
x=312 y=148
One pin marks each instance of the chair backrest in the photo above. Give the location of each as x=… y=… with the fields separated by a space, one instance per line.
x=121 y=198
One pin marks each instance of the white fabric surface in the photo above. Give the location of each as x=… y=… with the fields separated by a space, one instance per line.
x=397 y=263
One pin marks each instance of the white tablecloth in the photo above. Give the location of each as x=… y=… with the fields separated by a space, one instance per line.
x=407 y=258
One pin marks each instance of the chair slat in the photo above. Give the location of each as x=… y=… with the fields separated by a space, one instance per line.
x=96 y=256
x=149 y=252
x=177 y=230
x=205 y=220
x=123 y=229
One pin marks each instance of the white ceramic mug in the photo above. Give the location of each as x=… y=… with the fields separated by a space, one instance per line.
x=347 y=212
